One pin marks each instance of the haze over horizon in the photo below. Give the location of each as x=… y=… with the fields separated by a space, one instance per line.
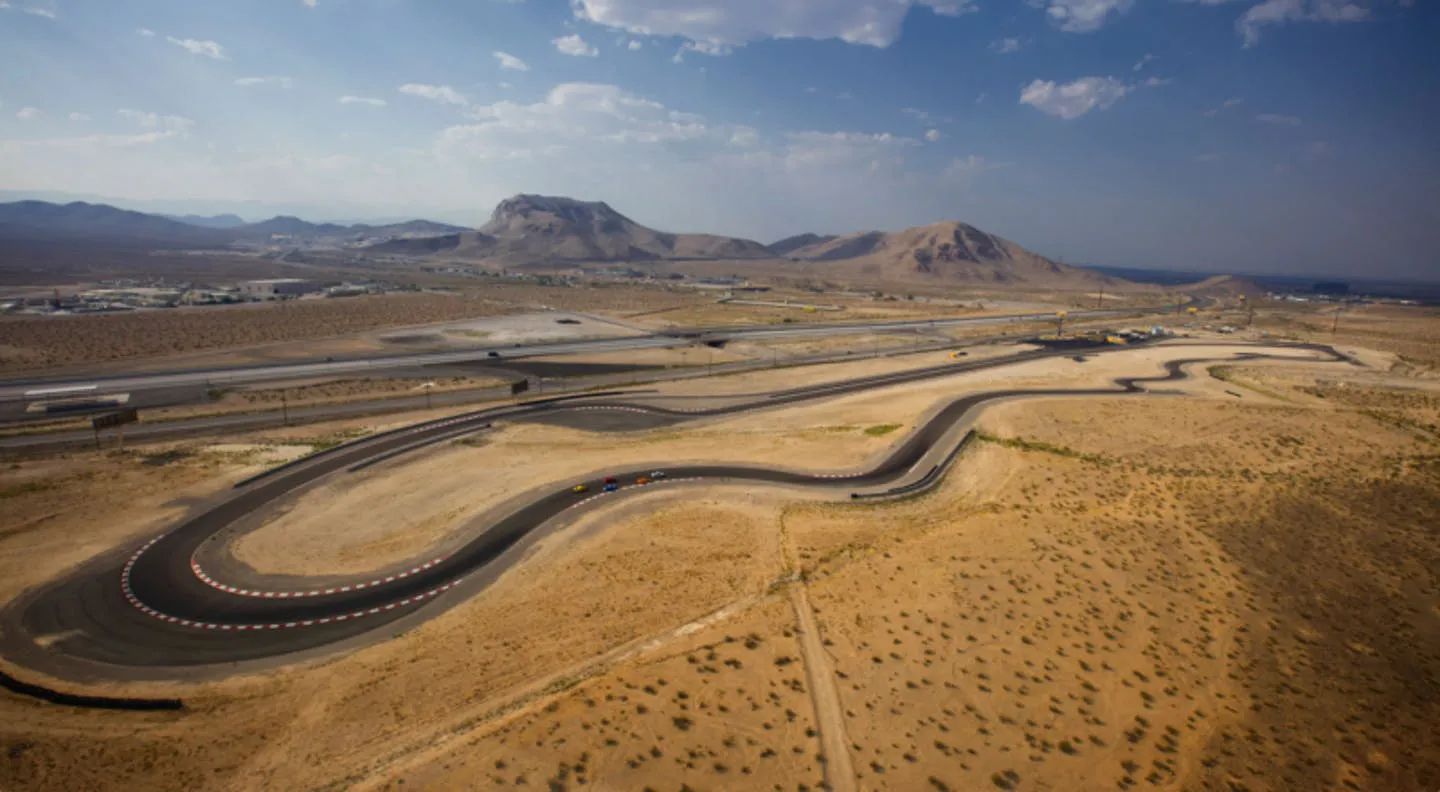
x=1278 y=136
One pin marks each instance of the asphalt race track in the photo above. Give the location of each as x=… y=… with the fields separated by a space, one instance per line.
x=146 y=611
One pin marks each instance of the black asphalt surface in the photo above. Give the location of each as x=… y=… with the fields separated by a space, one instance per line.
x=88 y=616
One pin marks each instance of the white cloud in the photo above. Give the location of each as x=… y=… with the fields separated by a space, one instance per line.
x=1276 y=12
x=1233 y=101
x=87 y=141
x=574 y=114
x=744 y=136
x=574 y=45
x=436 y=93
x=79 y=117
x=1083 y=16
x=733 y=23
x=29 y=113
x=361 y=100
x=1006 y=46
x=282 y=82
x=1073 y=99
x=146 y=32
x=40 y=12
x=932 y=135
x=310 y=3
x=634 y=45
x=1144 y=59
x=1154 y=82
x=813 y=151
x=209 y=49
x=170 y=125
x=508 y=61
x=706 y=48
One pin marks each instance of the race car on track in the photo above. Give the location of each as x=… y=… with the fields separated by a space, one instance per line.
x=657 y=475
x=642 y=480
x=579 y=488
x=611 y=480
x=611 y=487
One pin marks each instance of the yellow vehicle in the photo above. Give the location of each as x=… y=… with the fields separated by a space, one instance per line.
x=580 y=488
x=1109 y=339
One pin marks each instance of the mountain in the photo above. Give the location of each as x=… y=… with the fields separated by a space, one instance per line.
x=217 y=221
x=39 y=219
x=950 y=251
x=536 y=229
x=792 y=243
x=286 y=225
x=408 y=227
x=540 y=230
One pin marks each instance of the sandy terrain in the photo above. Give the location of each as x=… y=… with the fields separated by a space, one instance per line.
x=44 y=342
x=527 y=328
x=385 y=514
x=1212 y=593
x=276 y=331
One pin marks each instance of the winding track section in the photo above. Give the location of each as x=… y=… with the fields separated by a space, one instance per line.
x=153 y=609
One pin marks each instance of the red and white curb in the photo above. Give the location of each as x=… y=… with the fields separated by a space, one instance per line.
x=204 y=625
x=213 y=583
x=627 y=488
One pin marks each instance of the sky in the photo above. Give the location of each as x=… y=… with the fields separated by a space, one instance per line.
x=1266 y=136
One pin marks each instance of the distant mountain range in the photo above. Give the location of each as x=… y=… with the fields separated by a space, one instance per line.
x=217 y=221
x=536 y=231
x=40 y=219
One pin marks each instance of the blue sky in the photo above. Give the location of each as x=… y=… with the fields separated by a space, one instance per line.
x=1251 y=135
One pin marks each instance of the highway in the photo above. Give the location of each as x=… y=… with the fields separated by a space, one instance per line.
x=17 y=390
x=151 y=611
x=297 y=415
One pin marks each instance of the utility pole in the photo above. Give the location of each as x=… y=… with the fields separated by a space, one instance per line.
x=285 y=407
x=1060 y=323
x=1101 y=302
x=1336 y=324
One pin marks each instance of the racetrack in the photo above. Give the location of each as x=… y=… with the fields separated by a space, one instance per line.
x=151 y=612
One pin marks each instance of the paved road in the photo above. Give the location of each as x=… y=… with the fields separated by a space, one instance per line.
x=250 y=420
x=16 y=390
x=149 y=611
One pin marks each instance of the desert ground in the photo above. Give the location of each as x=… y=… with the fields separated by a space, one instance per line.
x=277 y=331
x=1235 y=588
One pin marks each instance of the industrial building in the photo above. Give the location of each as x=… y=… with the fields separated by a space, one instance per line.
x=273 y=288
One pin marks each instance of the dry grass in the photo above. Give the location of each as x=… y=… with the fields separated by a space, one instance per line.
x=32 y=342
x=1412 y=332
x=50 y=342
